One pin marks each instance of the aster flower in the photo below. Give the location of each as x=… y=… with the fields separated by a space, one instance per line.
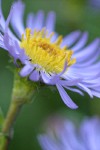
x=95 y=4
x=64 y=135
x=66 y=63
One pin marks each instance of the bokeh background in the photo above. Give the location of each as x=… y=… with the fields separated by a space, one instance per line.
x=71 y=15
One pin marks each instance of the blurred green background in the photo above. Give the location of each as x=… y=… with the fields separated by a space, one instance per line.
x=71 y=15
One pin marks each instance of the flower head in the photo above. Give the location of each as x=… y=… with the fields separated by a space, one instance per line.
x=47 y=57
x=43 y=53
x=64 y=135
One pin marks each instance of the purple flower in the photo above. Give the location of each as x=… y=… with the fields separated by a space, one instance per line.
x=94 y=4
x=66 y=63
x=64 y=135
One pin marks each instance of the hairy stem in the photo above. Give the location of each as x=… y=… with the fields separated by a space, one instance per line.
x=11 y=115
x=23 y=91
x=7 y=131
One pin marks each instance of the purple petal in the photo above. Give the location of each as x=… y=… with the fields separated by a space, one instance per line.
x=50 y=22
x=30 y=21
x=91 y=130
x=9 y=44
x=89 y=62
x=53 y=39
x=26 y=70
x=66 y=99
x=64 y=69
x=38 y=21
x=2 y=20
x=70 y=39
x=87 y=52
x=34 y=76
x=74 y=90
x=4 y=25
x=21 y=53
x=45 y=77
x=2 y=43
x=17 y=18
x=81 y=43
x=51 y=80
x=95 y=93
x=83 y=87
x=8 y=19
x=82 y=73
x=47 y=143
x=72 y=82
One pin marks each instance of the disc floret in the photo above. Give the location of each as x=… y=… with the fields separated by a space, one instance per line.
x=46 y=54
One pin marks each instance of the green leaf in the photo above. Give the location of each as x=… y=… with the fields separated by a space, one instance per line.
x=1 y=119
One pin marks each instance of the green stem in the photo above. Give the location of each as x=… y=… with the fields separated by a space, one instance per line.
x=8 y=124
x=13 y=110
x=23 y=91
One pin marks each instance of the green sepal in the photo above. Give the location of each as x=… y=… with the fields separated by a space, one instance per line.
x=23 y=89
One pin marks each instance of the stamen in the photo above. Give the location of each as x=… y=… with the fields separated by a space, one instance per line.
x=49 y=56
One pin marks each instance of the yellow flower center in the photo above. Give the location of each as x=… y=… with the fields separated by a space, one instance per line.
x=41 y=51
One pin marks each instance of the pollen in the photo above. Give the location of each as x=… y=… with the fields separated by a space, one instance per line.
x=46 y=54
